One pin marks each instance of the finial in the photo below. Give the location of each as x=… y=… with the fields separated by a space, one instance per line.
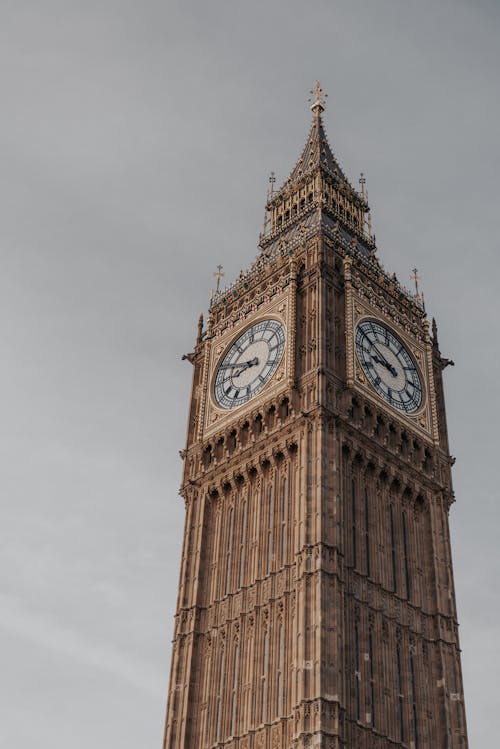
x=218 y=275
x=200 y=331
x=318 y=105
x=416 y=278
x=270 y=193
x=272 y=180
x=434 y=333
x=418 y=294
x=362 y=182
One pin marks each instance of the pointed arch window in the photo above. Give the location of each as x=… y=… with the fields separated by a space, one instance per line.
x=234 y=694
x=393 y=550
x=216 y=582
x=283 y=522
x=413 y=699
x=405 y=555
x=263 y=678
x=372 y=678
x=279 y=676
x=243 y=542
x=229 y=549
x=357 y=675
x=367 y=533
x=222 y=676
x=269 y=539
x=401 y=726
x=353 y=524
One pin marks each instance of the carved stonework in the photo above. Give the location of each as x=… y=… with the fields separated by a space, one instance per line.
x=316 y=605
x=368 y=304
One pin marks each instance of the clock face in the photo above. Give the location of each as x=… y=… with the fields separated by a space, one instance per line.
x=389 y=366
x=249 y=363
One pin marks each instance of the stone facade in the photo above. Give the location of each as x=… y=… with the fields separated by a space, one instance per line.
x=316 y=605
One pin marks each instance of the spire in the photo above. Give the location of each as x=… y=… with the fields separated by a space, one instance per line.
x=317 y=151
x=317 y=195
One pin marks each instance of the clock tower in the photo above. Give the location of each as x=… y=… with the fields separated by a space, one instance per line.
x=316 y=603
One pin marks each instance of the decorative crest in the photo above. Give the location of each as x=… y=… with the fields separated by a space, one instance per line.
x=319 y=96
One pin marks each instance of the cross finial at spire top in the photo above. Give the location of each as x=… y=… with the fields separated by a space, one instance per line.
x=317 y=97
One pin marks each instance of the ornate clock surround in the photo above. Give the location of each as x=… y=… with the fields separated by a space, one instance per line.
x=278 y=306
x=413 y=333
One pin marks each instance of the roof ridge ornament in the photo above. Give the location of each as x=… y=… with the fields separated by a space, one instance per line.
x=318 y=104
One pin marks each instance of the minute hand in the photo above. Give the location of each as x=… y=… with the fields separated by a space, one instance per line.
x=382 y=360
x=240 y=365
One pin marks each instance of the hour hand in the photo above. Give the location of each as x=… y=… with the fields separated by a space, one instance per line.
x=246 y=364
x=240 y=365
x=383 y=361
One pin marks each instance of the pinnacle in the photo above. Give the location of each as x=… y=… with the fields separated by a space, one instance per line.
x=317 y=151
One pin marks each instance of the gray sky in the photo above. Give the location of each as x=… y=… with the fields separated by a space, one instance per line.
x=135 y=142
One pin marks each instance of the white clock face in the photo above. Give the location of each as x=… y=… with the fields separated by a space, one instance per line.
x=389 y=366
x=249 y=363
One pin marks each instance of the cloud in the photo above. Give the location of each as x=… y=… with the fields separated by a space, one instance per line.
x=50 y=634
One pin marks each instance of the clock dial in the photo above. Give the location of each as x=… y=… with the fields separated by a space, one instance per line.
x=389 y=366
x=249 y=363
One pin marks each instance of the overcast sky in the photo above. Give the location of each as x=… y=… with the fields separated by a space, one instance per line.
x=136 y=138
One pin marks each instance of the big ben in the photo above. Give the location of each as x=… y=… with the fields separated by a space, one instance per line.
x=316 y=603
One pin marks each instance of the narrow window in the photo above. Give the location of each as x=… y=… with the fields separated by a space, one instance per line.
x=413 y=701
x=367 y=533
x=372 y=679
x=219 y=695
x=229 y=549
x=265 y=665
x=269 y=529
x=393 y=551
x=405 y=554
x=234 y=696
x=216 y=583
x=297 y=670
x=279 y=685
x=243 y=542
x=283 y=523
x=353 y=527
x=356 y=672
x=400 y=696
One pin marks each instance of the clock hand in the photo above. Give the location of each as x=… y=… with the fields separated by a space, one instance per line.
x=241 y=365
x=385 y=364
x=383 y=361
x=381 y=358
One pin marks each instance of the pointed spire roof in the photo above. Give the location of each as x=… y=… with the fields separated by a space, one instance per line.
x=317 y=151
